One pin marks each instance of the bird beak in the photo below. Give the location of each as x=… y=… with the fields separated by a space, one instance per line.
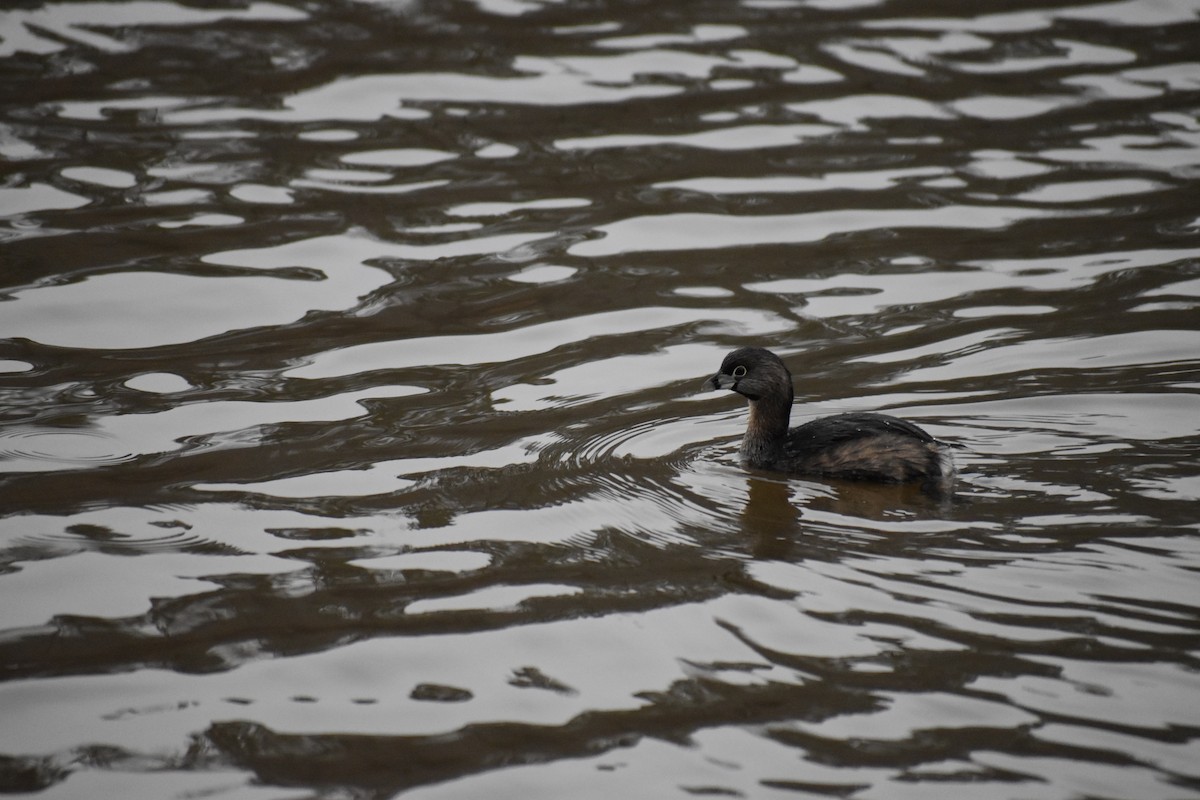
x=720 y=381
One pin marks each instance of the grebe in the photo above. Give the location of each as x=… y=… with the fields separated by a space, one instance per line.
x=854 y=446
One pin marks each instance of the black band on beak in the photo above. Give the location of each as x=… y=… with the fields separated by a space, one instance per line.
x=720 y=381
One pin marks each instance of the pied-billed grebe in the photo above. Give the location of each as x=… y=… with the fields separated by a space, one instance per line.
x=855 y=446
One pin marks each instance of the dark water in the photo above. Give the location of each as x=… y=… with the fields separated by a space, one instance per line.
x=351 y=437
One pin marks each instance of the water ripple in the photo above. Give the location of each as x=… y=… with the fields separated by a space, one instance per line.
x=31 y=449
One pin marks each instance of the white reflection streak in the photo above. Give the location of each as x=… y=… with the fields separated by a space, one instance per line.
x=609 y=377
x=493 y=598
x=354 y=188
x=398 y=157
x=698 y=34
x=524 y=342
x=881 y=290
x=37 y=196
x=745 y=137
x=369 y=98
x=358 y=247
x=563 y=81
x=383 y=477
x=788 y=184
x=691 y=231
x=1140 y=348
x=99 y=585
x=77 y=22
x=125 y=310
x=427 y=560
x=1136 y=13
x=232 y=423
x=853 y=110
x=498 y=209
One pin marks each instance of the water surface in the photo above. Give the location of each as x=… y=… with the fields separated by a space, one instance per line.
x=352 y=442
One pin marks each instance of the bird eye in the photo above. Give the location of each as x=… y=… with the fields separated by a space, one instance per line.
x=739 y=371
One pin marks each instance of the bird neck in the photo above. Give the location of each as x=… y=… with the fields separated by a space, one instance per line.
x=766 y=430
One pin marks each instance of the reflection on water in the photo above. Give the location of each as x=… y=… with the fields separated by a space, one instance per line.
x=353 y=446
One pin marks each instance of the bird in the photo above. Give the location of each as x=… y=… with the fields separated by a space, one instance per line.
x=858 y=446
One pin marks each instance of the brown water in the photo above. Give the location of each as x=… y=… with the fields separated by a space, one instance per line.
x=352 y=444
